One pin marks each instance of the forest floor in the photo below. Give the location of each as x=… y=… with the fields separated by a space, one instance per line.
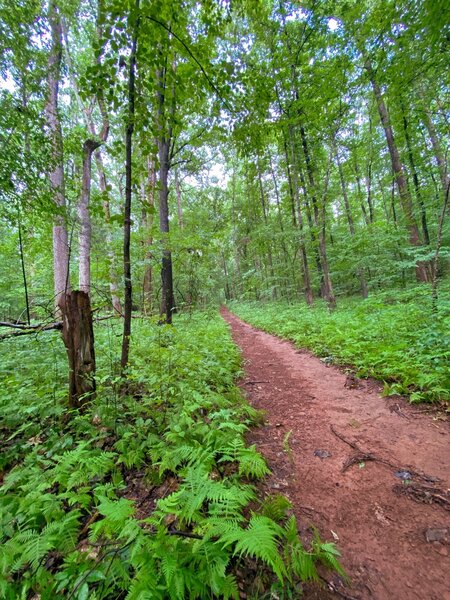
x=372 y=473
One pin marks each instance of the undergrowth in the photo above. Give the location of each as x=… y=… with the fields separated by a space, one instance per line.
x=393 y=336
x=147 y=495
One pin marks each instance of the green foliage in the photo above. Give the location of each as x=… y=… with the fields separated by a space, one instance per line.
x=394 y=336
x=146 y=495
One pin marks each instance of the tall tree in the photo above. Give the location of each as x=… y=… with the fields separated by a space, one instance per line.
x=56 y=173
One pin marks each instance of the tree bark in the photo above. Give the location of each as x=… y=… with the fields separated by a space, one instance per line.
x=319 y=218
x=179 y=205
x=422 y=273
x=113 y=283
x=265 y=209
x=167 y=295
x=351 y=224
x=294 y=189
x=437 y=149
x=128 y=193
x=147 y=285
x=89 y=147
x=102 y=136
x=56 y=174
x=78 y=337
x=423 y=213
x=164 y=140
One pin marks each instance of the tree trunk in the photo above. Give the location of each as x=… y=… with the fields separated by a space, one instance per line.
x=167 y=295
x=128 y=192
x=437 y=149
x=422 y=273
x=294 y=189
x=351 y=225
x=78 y=337
x=360 y=192
x=102 y=136
x=269 y=247
x=147 y=286
x=61 y=255
x=423 y=213
x=328 y=293
x=179 y=205
x=280 y=221
x=89 y=147
x=113 y=284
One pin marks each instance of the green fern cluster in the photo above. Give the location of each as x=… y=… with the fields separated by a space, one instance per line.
x=70 y=524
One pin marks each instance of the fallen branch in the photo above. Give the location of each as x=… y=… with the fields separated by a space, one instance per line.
x=15 y=324
x=29 y=330
x=343 y=439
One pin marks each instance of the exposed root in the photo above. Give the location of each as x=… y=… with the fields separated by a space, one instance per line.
x=424 y=494
x=357 y=459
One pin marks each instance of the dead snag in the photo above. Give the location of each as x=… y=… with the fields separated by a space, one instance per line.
x=78 y=337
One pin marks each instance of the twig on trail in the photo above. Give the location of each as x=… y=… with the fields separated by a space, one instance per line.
x=342 y=438
x=253 y=382
x=396 y=408
x=331 y=586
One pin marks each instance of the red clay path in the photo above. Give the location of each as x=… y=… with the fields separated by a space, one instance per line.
x=373 y=474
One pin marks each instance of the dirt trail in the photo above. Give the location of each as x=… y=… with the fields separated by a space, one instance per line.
x=394 y=535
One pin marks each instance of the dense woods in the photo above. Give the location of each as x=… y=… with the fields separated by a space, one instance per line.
x=160 y=158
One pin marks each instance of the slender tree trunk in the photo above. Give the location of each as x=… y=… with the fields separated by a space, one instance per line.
x=434 y=281
x=89 y=147
x=360 y=192
x=280 y=221
x=128 y=193
x=147 y=286
x=289 y=176
x=167 y=295
x=269 y=247
x=351 y=224
x=56 y=173
x=294 y=189
x=422 y=273
x=369 y=173
x=102 y=136
x=179 y=205
x=328 y=293
x=437 y=149
x=423 y=213
x=113 y=282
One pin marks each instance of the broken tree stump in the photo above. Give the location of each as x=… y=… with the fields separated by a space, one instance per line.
x=78 y=337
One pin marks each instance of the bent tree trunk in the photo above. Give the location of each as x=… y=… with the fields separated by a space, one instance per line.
x=78 y=337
